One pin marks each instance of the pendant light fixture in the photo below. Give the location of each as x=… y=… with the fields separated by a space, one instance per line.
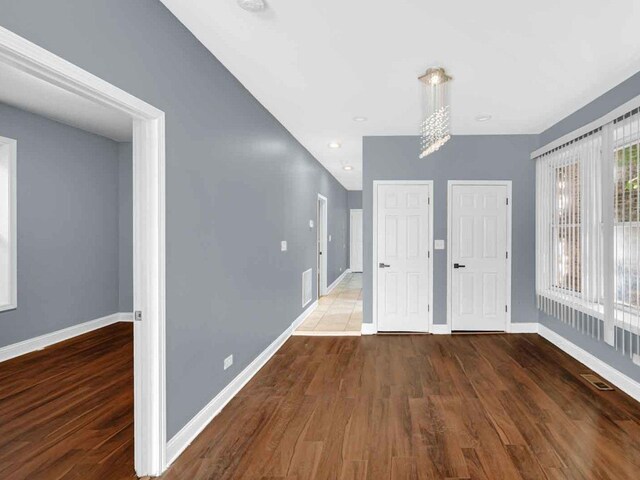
x=436 y=110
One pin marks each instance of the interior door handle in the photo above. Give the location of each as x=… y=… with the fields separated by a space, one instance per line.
x=383 y=265
x=457 y=265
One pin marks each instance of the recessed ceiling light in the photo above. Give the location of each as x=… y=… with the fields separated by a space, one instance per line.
x=347 y=167
x=334 y=145
x=359 y=119
x=483 y=118
x=252 y=5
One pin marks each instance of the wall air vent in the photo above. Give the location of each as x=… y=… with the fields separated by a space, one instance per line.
x=307 y=287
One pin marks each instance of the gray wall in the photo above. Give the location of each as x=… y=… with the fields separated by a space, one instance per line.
x=615 y=97
x=237 y=184
x=355 y=198
x=125 y=227
x=67 y=190
x=464 y=157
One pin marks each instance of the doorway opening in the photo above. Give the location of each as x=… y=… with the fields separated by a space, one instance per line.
x=39 y=71
x=355 y=240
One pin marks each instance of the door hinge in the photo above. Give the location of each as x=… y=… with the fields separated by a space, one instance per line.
x=506 y=308
x=428 y=254
x=506 y=254
x=137 y=315
x=507 y=200
x=428 y=308
x=429 y=201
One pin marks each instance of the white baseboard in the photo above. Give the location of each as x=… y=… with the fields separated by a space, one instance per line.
x=181 y=440
x=523 y=327
x=440 y=329
x=619 y=379
x=337 y=281
x=369 y=329
x=43 y=341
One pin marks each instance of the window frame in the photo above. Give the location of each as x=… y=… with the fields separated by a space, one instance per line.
x=9 y=257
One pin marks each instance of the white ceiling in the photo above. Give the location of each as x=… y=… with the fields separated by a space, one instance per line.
x=32 y=94
x=316 y=64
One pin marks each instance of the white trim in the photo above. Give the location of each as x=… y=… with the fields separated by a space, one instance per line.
x=12 y=146
x=619 y=379
x=324 y=220
x=589 y=127
x=149 y=234
x=351 y=212
x=48 y=339
x=181 y=440
x=374 y=262
x=337 y=281
x=369 y=329
x=508 y=184
x=125 y=316
x=440 y=329
x=530 y=327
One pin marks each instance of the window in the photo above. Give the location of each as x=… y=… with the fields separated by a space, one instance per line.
x=626 y=218
x=566 y=228
x=8 y=287
x=588 y=231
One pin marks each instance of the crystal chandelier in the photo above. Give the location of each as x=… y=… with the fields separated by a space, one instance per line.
x=436 y=114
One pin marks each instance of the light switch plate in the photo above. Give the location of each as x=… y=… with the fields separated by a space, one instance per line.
x=310 y=223
x=228 y=361
x=329 y=237
x=438 y=245
x=283 y=246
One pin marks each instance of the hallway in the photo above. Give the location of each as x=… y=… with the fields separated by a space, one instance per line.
x=339 y=313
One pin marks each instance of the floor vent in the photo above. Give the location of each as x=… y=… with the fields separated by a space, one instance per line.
x=307 y=286
x=596 y=381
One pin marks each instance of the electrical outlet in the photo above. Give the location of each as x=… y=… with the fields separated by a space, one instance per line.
x=329 y=237
x=283 y=246
x=228 y=361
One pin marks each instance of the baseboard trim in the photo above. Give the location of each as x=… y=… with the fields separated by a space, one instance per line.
x=619 y=379
x=369 y=329
x=337 y=281
x=523 y=327
x=440 y=329
x=46 y=340
x=181 y=440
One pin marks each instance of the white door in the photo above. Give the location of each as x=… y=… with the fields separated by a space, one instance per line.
x=322 y=246
x=355 y=235
x=479 y=257
x=403 y=256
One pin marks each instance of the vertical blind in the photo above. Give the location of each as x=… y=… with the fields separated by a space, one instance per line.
x=588 y=233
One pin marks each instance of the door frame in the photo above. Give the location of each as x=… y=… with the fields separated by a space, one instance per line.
x=351 y=210
x=322 y=217
x=451 y=184
x=148 y=234
x=374 y=258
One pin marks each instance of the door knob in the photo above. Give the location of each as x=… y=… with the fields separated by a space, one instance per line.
x=383 y=265
x=457 y=265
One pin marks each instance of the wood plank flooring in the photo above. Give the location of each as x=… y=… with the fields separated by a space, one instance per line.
x=419 y=407
x=345 y=408
x=66 y=412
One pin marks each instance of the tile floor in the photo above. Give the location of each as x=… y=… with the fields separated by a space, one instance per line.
x=339 y=313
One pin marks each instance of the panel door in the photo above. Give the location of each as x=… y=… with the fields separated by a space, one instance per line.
x=479 y=257
x=403 y=258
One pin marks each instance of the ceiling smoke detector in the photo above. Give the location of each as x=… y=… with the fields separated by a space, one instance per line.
x=252 y=5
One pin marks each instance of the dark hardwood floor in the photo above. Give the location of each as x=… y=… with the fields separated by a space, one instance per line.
x=419 y=407
x=385 y=407
x=66 y=412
